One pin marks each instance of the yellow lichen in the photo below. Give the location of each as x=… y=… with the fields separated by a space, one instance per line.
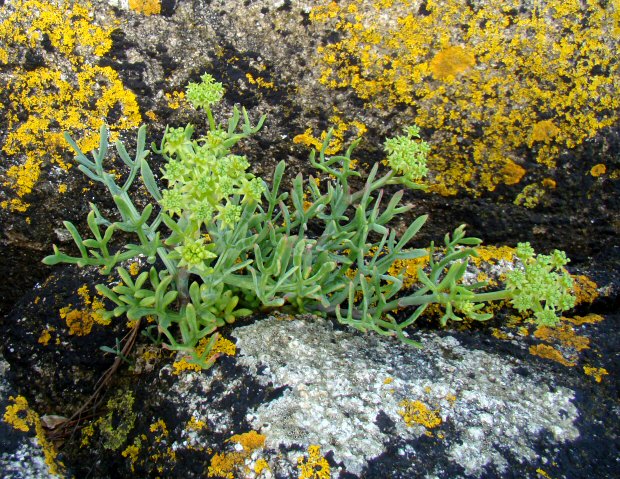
x=221 y=346
x=261 y=465
x=489 y=79
x=416 y=412
x=134 y=268
x=533 y=194
x=195 y=424
x=81 y=321
x=146 y=7
x=21 y=417
x=227 y=463
x=77 y=97
x=260 y=82
x=45 y=336
x=175 y=99
x=598 y=170
x=596 y=373
x=549 y=352
x=340 y=129
x=409 y=269
x=450 y=62
x=315 y=466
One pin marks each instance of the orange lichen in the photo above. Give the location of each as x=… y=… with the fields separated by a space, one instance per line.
x=585 y=290
x=450 y=62
x=416 y=412
x=315 y=466
x=541 y=76
x=588 y=319
x=598 y=170
x=146 y=7
x=549 y=352
x=596 y=373
x=564 y=334
x=76 y=95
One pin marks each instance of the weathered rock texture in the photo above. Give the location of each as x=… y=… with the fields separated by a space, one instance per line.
x=521 y=107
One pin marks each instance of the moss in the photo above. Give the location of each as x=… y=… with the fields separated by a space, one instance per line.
x=45 y=102
x=490 y=80
x=315 y=466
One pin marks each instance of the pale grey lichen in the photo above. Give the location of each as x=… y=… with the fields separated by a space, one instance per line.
x=339 y=383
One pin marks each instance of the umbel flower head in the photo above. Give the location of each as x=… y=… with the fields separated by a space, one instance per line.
x=193 y=254
x=543 y=280
x=206 y=93
x=407 y=154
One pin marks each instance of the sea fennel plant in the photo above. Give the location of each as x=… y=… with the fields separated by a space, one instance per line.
x=223 y=244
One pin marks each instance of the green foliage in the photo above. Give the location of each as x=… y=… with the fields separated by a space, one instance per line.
x=223 y=244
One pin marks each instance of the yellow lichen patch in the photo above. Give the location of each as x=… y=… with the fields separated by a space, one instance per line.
x=564 y=334
x=221 y=346
x=489 y=79
x=409 y=269
x=77 y=97
x=450 y=62
x=598 y=170
x=544 y=131
x=134 y=268
x=21 y=417
x=46 y=335
x=533 y=194
x=588 y=319
x=260 y=82
x=340 y=129
x=81 y=321
x=549 y=352
x=176 y=99
x=543 y=473
x=596 y=373
x=261 y=466
x=585 y=290
x=195 y=424
x=416 y=412
x=228 y=463
x=315 y=466
x=224 y=346
x=146 y=7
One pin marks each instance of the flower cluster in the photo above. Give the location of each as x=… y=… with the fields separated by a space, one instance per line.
x=543 y=279
x=206 y=93
x=407 y=154
x=205 y=181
